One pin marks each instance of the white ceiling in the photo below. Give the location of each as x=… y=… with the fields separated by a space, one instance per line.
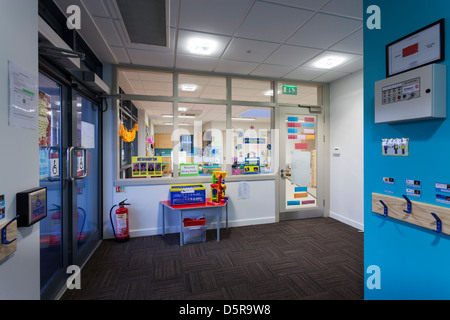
x=273 y=38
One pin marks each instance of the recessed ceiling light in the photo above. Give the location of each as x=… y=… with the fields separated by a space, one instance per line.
x=244 y=119
x=329 y=62
x=182 y=116
x=202 y=46
x=182 y=109
x=188 y=87
x=180 y=124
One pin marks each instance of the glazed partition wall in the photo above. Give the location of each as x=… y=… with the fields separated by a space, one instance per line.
x=214 y=121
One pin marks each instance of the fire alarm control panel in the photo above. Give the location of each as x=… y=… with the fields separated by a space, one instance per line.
x=415 y=95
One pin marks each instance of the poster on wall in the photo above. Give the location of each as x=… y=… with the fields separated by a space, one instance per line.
x=395 y=147
x=45 y=120
x=23 y=97
x=146 y=167
x=417 y=49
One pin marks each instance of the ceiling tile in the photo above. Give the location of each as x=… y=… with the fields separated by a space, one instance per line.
x=352 y=66
x=120 y=55
x=185 y=36
x=235 y=67
x=294 y=56
x=174 y=8
x=304 y=74
x=331 y=76
x=213 y=16
x=106 y=28
x=307 y=4
x=151 y=58
x=271 y=71
x=348 y=8
x=249 y=50
x=189 y=62
x=324 y=30
x=272 y=22
x=352 y=44
x=96 y=8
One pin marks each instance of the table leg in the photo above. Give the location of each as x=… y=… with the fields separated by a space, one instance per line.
x=164 y=220
x=218 y=224
x=226 y=211
x=181 y=228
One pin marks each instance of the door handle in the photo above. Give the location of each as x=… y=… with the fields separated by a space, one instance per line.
x=70 y=152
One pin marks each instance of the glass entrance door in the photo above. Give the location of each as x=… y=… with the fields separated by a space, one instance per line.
x=300 y=149
x=85 y=179
x=70 y=169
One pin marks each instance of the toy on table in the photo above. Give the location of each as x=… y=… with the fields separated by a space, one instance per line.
x=218 y=187
x=184 y=194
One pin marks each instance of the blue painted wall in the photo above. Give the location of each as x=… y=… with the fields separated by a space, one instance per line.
x=414 y=262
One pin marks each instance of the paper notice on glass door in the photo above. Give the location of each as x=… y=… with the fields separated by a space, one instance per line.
x=23 y=97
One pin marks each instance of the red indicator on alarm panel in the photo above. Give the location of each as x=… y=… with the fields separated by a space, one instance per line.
x=410 y=50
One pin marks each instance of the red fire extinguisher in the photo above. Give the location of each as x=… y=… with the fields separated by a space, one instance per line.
x=122 y=226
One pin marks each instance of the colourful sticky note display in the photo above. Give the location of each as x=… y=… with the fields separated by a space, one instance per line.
x=309 y=202
x=301 y=195
x=293 y=203
x=294 y=125
x=310 y=137
x=292 y=137
x=308 y=125
x=301 y=146
x=301 y=189
x=310 y=120
x=292 y=130
x=292 y=119
x=309 y=131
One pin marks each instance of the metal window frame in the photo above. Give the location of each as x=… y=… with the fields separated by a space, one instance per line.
x=176 y=99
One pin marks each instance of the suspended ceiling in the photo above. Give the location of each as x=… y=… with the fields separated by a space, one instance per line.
x=274 y=38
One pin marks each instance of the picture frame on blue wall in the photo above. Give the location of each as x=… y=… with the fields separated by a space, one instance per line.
x=417 y=49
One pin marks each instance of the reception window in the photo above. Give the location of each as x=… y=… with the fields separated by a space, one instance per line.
x=176 y=124
x=252 y=140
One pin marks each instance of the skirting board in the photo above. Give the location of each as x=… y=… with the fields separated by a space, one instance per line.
x=420 y=212
x=347 y=221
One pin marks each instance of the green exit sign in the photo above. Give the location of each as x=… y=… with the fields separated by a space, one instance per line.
x=290 y=90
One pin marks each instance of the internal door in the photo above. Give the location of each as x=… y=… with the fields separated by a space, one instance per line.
x=69 y=168
x=301 y=146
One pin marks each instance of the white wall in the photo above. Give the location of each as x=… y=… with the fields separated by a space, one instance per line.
x=19 y=152
x=146 y=212
x=346 y=132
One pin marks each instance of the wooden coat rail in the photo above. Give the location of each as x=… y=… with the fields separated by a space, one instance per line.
x=424 y=215
x=8 y=238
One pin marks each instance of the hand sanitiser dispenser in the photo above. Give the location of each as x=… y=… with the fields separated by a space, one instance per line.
x=418 y=94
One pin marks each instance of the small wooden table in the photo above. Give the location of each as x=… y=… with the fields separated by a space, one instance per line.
x=197 y=206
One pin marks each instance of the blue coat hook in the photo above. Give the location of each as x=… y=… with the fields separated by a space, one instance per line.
x=385 y=208
x=409 y=205
x=438 y=223
x=5 y=230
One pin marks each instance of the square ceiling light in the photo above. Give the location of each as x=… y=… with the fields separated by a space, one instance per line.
x=202 y=46
x=329 y=62
x=146 y=22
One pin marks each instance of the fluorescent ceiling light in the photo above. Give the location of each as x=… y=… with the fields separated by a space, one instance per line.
x=329 y=62
x=182 y=109
x=202 y=46
x=180 y=116
x=180 y=124
x=188 y=87
x=244 y=119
